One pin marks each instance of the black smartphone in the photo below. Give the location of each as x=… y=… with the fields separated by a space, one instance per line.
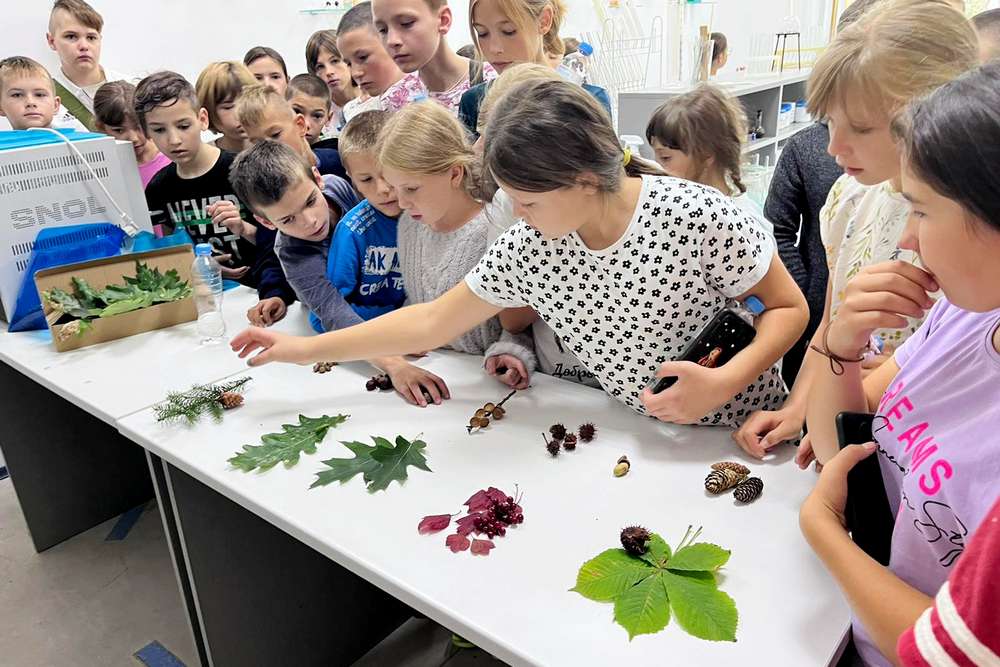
x=868 y=513
x=718 y=342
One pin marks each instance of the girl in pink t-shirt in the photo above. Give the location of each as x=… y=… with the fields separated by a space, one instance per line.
x=114 y=114
x=936 y=400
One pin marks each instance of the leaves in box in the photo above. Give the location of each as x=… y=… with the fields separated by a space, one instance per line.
x=379 y=465
x=286 y=447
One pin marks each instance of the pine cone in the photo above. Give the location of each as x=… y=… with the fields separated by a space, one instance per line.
x=749 y=490
x=587 y=432
x=569 y=442
x=721 y=480
x=230 y=400
x=634 y=540
x=739 y=468
x=558 y=431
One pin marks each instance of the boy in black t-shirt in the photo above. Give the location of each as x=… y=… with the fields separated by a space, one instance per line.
x=194 y=193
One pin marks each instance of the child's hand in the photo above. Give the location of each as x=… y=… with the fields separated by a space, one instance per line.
x=273 y=346
x=515 y=376
x=226 y=214
x=825 y=505
x=765 y=429
x=697 y=392
x=412 y=381
x=267 y=312
x=805 y=454
x=228 y=272
x=881 y=296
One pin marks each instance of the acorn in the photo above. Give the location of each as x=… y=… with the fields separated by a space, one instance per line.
x=623 y=466
x=498 y=413
x=558 y=431
x=489 y=407
x=749 y=490
x=480 y=413
x=482 y=422
x=634 y=540
x=587 y=432
x=739 y=468
x=569 y=442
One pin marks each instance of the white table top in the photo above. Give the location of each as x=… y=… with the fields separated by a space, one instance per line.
x=515 y=603
x=113 y=379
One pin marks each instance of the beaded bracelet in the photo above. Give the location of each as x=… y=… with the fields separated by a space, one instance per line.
x=837 y=362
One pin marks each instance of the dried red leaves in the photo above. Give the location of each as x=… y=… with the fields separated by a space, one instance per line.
x=491 y=513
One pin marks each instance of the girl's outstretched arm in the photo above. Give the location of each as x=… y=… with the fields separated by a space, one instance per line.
x=415 y=328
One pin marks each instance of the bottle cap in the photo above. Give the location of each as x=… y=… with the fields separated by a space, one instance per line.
x=754 y=305
x=203 y=250
x=585 y=48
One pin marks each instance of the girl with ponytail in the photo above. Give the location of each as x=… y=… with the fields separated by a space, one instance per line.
x=624 y=263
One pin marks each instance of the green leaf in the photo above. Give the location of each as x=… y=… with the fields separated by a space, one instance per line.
x=644 y=608
x=610 y=574
x=700 y=556
x=699 y=607
x=287 y=446
x=379 y=465
x=137 y=302
x=88 y=296
x=658 y=551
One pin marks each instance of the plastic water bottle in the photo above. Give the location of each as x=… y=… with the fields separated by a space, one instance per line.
x=206 y=275
x=574 y=66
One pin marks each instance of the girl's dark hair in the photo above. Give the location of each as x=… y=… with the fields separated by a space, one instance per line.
x=949 y=140
x=706 y=123
x=114 y=104
x=543 y=135
x=258 y=52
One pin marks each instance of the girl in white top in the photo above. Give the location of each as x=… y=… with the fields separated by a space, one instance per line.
x=896 y=52
x=625 y=264
x=700 y=136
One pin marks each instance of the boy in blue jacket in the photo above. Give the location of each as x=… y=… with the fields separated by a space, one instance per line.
x=288 y=195
x=363 y=264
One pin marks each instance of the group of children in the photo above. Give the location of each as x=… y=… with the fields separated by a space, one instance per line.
x=412 y=198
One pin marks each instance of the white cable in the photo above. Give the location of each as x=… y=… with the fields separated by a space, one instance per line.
x=128 y=225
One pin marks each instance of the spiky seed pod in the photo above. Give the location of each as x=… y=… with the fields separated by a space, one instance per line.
x=634 y=540
x=230 y=400
x=721 y=480
x=749 y=490
x=553 y=447
x=732 y=465
x=558 y=431
x=569 y=442
x=587 y=432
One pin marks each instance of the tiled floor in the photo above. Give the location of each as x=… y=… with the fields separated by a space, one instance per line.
x=89 y=601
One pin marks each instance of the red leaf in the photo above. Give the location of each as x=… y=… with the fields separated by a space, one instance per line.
x=467 y=523
x=482 y=547
x=457 y=542
x=478 y=502
x=433 y=523
x=496 y=495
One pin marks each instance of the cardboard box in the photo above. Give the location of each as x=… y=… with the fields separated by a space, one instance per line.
x=103 y=272
x=46 y=185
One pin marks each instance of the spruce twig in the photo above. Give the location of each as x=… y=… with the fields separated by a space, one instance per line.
x=197 y=401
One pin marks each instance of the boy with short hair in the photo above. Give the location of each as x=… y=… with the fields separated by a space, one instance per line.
x=286 y=194
x=75 y=35
x=364 y=264
x=27 y=95
x=309 y=97
x=265 y=114
x=987 y=25
x=194 y=192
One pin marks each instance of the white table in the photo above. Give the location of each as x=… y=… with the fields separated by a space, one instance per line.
x=71 y=469
x=514 y=603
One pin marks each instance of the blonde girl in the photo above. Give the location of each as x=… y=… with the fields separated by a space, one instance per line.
x=507 y=32
x=218 y=86
x=699 y=136
x=623 y=262
x=895 y=52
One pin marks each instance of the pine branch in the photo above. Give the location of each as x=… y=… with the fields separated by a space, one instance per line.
x=199 y=400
